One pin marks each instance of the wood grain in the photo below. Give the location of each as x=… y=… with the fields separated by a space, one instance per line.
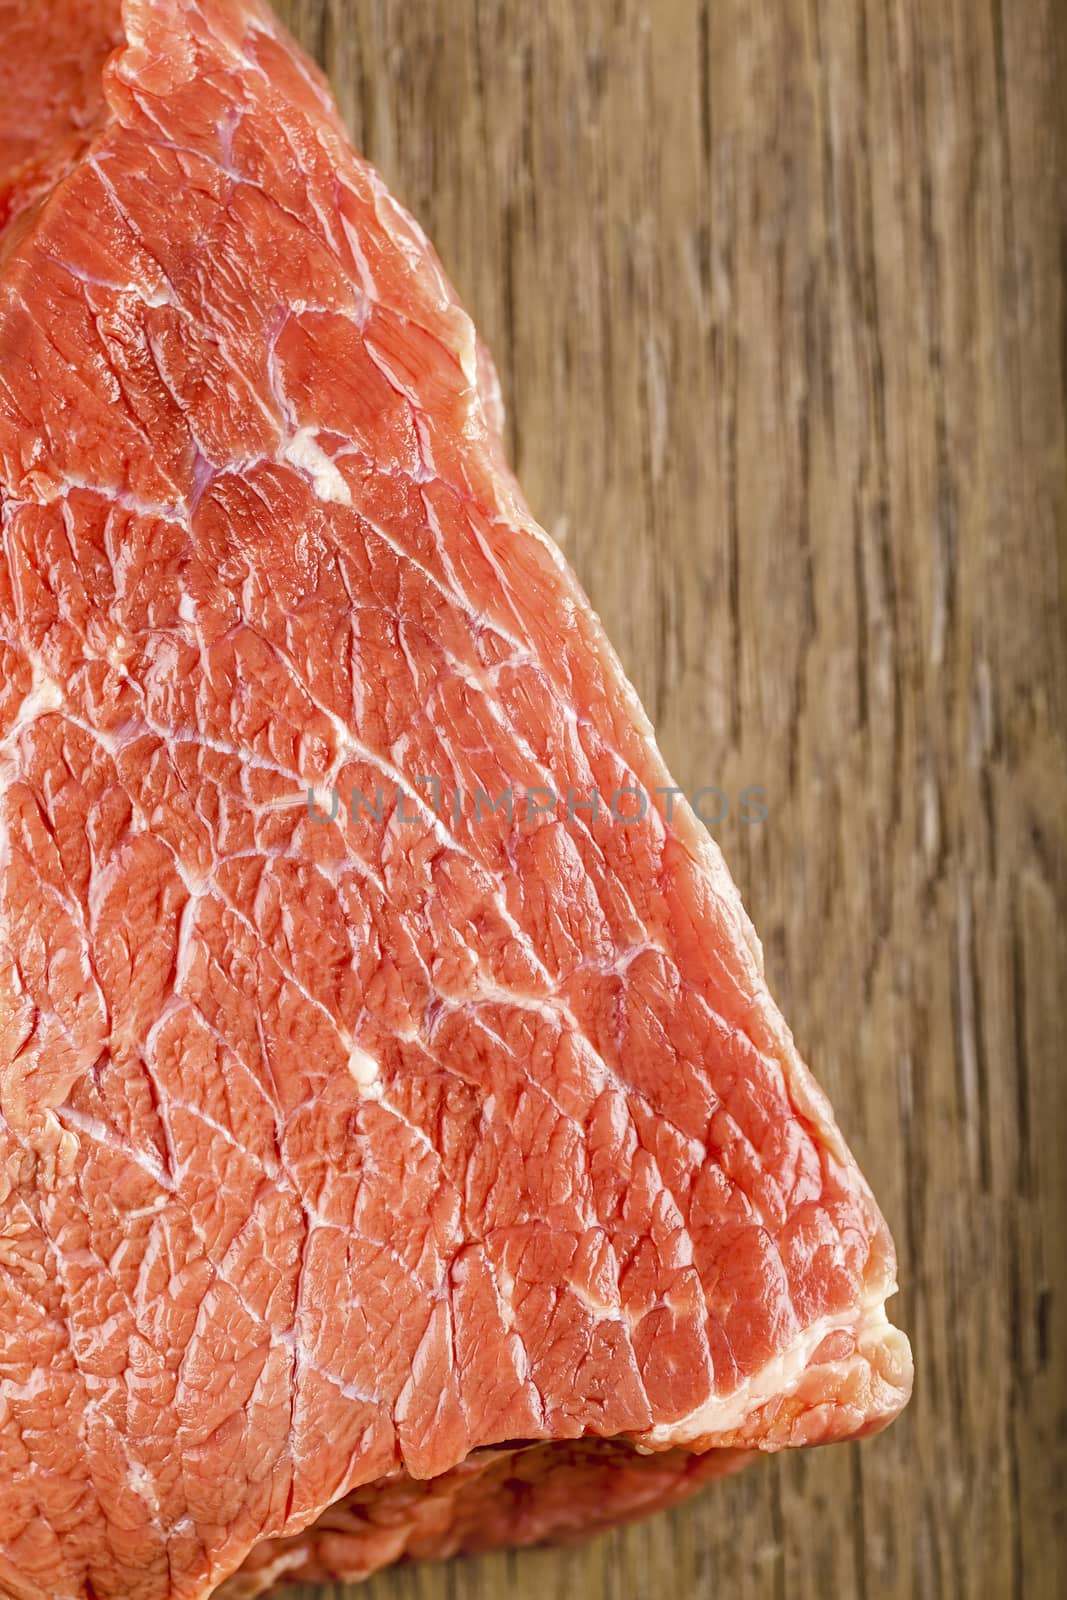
x=777 y=289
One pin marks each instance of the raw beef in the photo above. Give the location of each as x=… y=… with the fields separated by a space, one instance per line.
x=382 y=1175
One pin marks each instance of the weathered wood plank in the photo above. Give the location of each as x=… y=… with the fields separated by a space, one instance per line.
x=777 y=292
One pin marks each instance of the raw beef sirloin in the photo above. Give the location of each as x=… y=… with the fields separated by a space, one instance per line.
x=400 y=1152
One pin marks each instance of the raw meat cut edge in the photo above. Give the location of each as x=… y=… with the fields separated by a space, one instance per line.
x=715 y=1424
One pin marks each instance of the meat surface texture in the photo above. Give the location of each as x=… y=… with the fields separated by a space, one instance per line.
x=390 y=1175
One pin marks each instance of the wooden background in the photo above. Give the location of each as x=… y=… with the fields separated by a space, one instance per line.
x=777 y=290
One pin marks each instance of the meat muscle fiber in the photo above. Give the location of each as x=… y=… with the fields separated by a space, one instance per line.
x=384 y=1184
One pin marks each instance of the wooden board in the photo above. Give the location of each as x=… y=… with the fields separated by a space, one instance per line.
x=777 y=293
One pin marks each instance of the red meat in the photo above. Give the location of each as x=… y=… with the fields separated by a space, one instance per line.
x=381 y=1186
